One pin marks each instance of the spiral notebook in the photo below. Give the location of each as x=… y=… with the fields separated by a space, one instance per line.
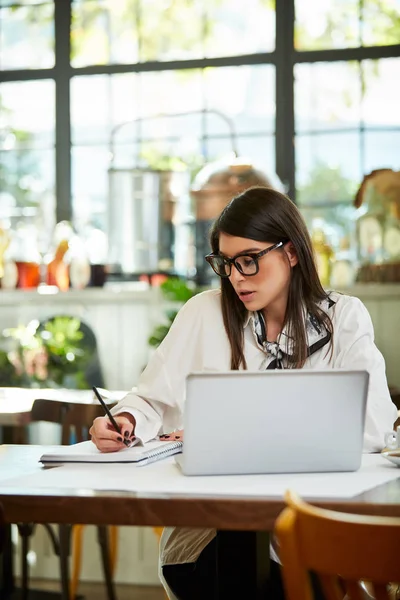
x=86 y=452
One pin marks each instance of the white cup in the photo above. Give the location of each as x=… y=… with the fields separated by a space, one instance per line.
x=392 y=439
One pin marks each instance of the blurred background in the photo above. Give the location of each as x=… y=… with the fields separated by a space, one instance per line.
x=110 y=109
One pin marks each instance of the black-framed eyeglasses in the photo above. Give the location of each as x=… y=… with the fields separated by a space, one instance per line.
x=246 y=263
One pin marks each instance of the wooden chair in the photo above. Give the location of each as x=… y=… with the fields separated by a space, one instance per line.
x=6 y=579
x=341 y=549
x=2 y=529
x=76 y=420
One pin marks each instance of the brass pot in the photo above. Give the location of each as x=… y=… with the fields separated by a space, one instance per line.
x=218 y=182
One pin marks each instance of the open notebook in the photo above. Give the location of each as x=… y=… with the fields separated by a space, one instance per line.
x=86 y=452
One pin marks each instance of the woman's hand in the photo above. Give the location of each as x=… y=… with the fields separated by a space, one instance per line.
x=107 y=439
x=176 y=435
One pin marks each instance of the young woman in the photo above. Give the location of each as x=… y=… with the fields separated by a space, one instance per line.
x=270 y=313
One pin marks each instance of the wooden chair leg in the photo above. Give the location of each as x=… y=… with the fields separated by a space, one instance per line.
x=7 y=582
x=102 y=536
x=64 y=533
x=77 y=532
x=113 y=536
x=25 y=531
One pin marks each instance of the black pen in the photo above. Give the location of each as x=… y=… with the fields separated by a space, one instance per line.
x=109 y=415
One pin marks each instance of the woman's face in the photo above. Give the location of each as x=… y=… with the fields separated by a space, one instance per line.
x=270 y=285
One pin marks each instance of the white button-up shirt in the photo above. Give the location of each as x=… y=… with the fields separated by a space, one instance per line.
x=197 y=341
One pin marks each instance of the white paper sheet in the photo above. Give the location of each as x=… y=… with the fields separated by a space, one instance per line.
x=165 y=478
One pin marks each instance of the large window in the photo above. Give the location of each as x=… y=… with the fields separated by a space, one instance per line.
x=346 y=117
x=311 y=89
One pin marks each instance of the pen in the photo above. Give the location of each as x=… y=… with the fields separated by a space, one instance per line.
x=109 y=415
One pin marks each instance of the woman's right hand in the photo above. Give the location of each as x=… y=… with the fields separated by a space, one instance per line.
x=106 y=438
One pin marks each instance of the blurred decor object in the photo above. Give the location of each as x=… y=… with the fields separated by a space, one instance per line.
x=8 y=268
x=141 y=212
x=343 y=270
x=57 y=269
x=24 y=251
x=4 y=243
x=97 y=251
x=28 y=274
x=378 y=229
x=213 y=188
x=218 y=182
x=58 y=352
x=323 y=255
x=177 y=291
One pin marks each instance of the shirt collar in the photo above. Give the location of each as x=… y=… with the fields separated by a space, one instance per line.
x=315 y=331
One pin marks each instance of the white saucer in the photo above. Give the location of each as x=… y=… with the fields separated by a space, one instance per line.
x=393 y=456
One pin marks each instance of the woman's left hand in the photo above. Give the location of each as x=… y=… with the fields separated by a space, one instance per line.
x=172 y=437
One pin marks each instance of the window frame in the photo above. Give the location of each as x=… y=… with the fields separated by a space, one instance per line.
x=283 y=58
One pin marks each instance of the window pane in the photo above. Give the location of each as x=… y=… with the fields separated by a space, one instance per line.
x=27 y=174
x=20 y=2
x=338 y=223
x=381 y=22
x=101 y=102
x=126 y=31
x=327 y=96
x=328 y=174
x=381 y=95
x=90 y=185
x=326 y=24
x=248 y=98
x=27 y=37
x=27 y=153
x=27 y=114
x=381 y=150
x=98 y=103
x=27 y=190
x=260 y=150
x=103 y=32
x=229 y=22
x=171 y=92
x=327 y=167
x=171 y=30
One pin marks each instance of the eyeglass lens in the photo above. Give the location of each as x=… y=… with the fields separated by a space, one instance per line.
x=245 y=264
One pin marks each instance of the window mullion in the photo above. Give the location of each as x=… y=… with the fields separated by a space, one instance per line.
x=62 y=15
x=284 y=138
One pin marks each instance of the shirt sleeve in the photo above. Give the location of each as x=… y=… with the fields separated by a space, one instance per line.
x=355 y=349
x=157 y=402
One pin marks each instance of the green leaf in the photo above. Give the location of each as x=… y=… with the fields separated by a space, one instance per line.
x=158 y=335
x=177 y=290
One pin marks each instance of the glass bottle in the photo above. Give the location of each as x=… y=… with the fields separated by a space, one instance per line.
x=27 y=257
x=323 y=256
x=57 y=269
x=79 y=266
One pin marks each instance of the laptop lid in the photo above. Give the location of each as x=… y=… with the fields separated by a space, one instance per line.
x=282 y=421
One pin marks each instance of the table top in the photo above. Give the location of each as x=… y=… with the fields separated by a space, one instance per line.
x=76 y=505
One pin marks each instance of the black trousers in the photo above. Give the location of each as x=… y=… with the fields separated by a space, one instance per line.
x=198 y=580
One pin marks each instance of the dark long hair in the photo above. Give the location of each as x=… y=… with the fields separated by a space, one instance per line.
x=266 y=215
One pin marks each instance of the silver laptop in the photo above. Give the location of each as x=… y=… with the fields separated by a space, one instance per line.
x=283 y=421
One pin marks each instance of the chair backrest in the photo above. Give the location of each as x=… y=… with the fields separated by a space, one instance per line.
x=75 y=418
x=341 y=549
